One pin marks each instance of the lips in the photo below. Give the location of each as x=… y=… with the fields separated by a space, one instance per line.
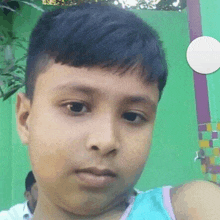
x=97 y=172
x=95 y=177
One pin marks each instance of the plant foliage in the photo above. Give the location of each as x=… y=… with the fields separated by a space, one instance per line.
x=12 y=70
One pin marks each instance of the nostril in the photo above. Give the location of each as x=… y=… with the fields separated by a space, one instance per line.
x=113 y=152
x=95 y=148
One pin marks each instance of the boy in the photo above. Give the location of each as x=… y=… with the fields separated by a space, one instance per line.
x=94 y=77
x=31 y=193
x=24 y=210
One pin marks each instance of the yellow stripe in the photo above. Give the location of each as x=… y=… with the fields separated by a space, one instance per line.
x=216 y=151
x=209 y=127
x=214 y=178
x=204 y=143
x=203 y=167
x=212 y=160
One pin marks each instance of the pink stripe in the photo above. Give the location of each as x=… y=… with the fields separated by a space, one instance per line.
x=200 y=81
x=128 y=210
x=167 y=202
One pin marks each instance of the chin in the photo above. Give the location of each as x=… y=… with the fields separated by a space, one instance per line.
x=94 y=212
x=93 y=209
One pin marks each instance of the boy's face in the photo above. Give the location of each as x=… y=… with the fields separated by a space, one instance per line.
x=87 y=118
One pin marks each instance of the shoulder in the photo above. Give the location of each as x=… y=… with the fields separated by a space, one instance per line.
x=4 y=215
x=14 y=212
x=196 y=200
x=19 y=207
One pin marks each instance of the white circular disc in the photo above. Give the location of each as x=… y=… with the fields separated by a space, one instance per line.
x=203 y=55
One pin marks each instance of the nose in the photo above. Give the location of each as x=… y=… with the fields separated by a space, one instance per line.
x=103 y=136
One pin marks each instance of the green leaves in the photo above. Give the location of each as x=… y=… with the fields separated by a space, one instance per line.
x=11 y=80
x=11 y=92
x=8 y=53
x=7 y=7
x=12 y=72
x=167 y=5
x=33 y=5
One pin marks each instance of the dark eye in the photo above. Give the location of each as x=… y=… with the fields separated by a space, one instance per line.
x=77 y=107
x=134 y=117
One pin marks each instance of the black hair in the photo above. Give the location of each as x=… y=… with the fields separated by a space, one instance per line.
x=95 y=35
x=29 y=181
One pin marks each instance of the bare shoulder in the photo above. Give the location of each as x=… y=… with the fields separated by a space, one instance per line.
x=196 y=200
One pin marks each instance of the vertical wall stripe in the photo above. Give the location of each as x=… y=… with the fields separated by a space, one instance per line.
x=200 y=82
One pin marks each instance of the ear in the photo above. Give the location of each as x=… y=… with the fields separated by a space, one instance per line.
x=23 y=107
x=27 y=195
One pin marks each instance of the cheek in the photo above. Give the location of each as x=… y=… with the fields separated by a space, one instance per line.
x=135 y=157
x=48 y=166
x=54 y=147
x=48 y=149
x=35 y=195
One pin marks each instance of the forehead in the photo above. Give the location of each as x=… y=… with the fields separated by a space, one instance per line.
x=60 y=79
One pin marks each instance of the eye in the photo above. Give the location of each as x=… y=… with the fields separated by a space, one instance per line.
x=134 y=117
x=77 y=108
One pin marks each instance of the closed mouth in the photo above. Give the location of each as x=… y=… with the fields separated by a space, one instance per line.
x=97 y=172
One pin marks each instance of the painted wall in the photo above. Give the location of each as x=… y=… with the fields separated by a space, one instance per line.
x=6 y=172
x=210 y=27
x=175 y=137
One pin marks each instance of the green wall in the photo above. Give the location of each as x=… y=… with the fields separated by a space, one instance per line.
x=211 y=28
x=6 y=172
x=175 y=137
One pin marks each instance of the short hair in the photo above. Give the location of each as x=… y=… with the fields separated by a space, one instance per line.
x=29 y=181
x=95 y=35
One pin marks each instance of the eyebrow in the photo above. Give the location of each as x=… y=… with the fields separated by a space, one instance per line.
x=70 y=87
x=141 y=99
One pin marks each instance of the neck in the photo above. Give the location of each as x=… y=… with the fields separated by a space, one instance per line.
x=113 y=214
x=53 y=212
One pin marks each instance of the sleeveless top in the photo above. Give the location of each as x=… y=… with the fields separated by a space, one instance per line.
x=154 y=204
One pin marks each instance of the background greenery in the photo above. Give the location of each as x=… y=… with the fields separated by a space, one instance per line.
x=11 y=70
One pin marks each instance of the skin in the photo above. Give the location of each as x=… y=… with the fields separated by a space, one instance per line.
x=61 y=140
x=197 y=200
x=102 y=134
x=31 y=196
